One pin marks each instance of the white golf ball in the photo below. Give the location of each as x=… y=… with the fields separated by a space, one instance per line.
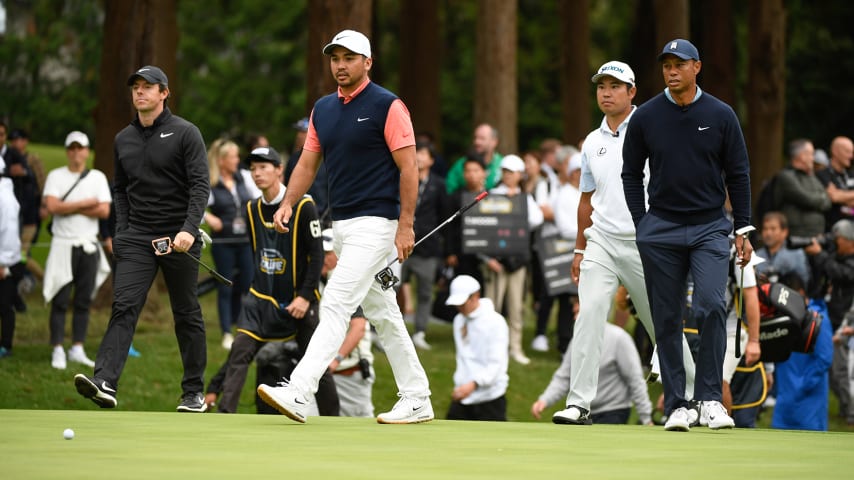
x=68 y=434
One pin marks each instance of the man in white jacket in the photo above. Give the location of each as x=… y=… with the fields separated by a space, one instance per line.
x=481 y=339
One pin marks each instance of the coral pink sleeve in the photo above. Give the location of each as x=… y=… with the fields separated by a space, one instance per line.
x=312 y=144
x=398 y=127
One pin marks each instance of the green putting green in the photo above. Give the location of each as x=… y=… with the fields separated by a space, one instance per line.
x=121 y=444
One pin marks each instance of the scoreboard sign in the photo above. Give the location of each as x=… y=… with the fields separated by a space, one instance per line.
x=556 y=255
x=497 y=226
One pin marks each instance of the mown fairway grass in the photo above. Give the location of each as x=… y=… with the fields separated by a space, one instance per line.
x=121 y=444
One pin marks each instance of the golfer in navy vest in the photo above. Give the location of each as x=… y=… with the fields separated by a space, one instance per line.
x=696 y=155
x=364 y=135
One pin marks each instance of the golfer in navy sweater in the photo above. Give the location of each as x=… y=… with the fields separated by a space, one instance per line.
x=364 y=134
x=696 y=154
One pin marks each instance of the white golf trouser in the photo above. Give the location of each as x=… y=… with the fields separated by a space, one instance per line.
x=608 y=262
x=363 y=245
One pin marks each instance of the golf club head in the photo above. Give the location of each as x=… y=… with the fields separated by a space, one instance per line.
x=386 y=278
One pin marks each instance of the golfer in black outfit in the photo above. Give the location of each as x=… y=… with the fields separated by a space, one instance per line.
x=161 y=190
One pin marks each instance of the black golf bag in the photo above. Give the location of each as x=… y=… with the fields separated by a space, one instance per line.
x=786 y=324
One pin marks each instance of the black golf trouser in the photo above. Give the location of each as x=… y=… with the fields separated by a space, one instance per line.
x=492 y=410
x=136 y=267
x=84 y=267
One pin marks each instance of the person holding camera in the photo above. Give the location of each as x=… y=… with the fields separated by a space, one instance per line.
x=834 y=265
x=779 y=258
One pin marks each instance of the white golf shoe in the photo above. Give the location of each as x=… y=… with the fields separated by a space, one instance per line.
x=715 y=416
x=286 y=399
x=57 y=358
x=408 y=410
x=678 y=421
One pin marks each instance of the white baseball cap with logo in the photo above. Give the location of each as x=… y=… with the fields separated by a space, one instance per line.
x=461 y=289
x=618 y=70
x=352 y=40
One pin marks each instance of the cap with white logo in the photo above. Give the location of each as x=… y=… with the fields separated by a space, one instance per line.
x=618 y=70
x=681 y=48
x=351 y=40
x=264 y=154
x=150 y=74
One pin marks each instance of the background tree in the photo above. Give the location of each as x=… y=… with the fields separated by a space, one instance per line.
x=420 y=64
x=715 y=38
x=575 y=69
x=325 y=19
x=766 y=90
x=136 y=33
x=245 y=63
x=495 y=85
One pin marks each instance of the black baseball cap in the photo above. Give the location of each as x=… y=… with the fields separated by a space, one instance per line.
x=18 y=133
x=150 y=74
x=264 y=154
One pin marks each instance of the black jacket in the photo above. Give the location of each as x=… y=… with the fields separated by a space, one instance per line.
x=161 y=176
x=429 y=213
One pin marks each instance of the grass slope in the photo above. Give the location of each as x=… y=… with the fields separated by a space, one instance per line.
x=168 y=445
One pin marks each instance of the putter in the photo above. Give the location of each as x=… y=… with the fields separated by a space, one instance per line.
x=163 y=246
x=743 y=231
x=386 y=277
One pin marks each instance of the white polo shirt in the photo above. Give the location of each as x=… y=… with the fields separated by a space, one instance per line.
x=601 y=167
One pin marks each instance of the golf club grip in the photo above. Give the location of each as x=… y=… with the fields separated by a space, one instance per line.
x=480 y=196
x=220 y=278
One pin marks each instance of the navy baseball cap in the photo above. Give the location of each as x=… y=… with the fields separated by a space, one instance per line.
x=265 y=154
x=681 y=48
x=150 y=74
x=18 y=133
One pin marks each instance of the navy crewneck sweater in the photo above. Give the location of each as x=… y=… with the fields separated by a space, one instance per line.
x=696 y=154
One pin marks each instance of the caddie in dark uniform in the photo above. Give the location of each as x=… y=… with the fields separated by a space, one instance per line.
x=161 y=189
x=283 y=300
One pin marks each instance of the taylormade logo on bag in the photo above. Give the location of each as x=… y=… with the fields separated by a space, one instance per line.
x=779 y=333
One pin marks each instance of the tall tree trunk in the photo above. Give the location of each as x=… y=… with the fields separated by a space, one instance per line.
x=671 y=19
x=717 y=49
x=641 y=56
x=420 y=64
x=136 y=33
x=575 y=69
x=325 y=19
x=495 y=86
x=766 y=90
